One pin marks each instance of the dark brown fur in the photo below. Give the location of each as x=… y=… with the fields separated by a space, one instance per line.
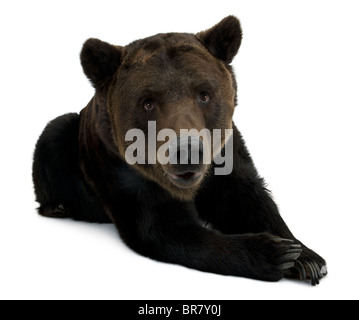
x=80 y=168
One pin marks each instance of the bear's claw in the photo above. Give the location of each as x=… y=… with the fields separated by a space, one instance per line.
x=291 y=254
x=313 y=272
x=310 y=270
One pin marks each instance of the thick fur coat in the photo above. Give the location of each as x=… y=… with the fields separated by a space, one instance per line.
x=225 y=224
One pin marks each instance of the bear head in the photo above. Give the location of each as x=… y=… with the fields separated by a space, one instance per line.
x=174 y=81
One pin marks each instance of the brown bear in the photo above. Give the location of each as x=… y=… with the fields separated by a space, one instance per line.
x=92 y=166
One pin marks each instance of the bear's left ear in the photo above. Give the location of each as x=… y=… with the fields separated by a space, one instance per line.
x=223 y=40
x=100 y=60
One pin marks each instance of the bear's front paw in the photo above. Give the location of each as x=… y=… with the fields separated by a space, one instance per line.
x=273 y=255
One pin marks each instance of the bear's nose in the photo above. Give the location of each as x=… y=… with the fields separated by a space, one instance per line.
x=186 y=152
x=186 y=161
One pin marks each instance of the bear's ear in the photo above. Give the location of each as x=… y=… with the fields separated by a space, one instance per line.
x=100 y=61
x=223 y=40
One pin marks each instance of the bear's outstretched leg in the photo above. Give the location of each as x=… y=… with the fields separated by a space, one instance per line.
x=168 y=230
x=247 y=207
x=58 y=182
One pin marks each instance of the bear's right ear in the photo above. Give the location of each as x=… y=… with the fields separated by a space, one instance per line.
x=100 y=60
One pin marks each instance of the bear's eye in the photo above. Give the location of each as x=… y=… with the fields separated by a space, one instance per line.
x=204 y=97
x=148 y=105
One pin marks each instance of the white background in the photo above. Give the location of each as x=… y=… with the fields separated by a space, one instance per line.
x=298 y=77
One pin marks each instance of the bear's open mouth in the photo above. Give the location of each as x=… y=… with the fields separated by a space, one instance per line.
x=187 y=175
x=185 y=178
